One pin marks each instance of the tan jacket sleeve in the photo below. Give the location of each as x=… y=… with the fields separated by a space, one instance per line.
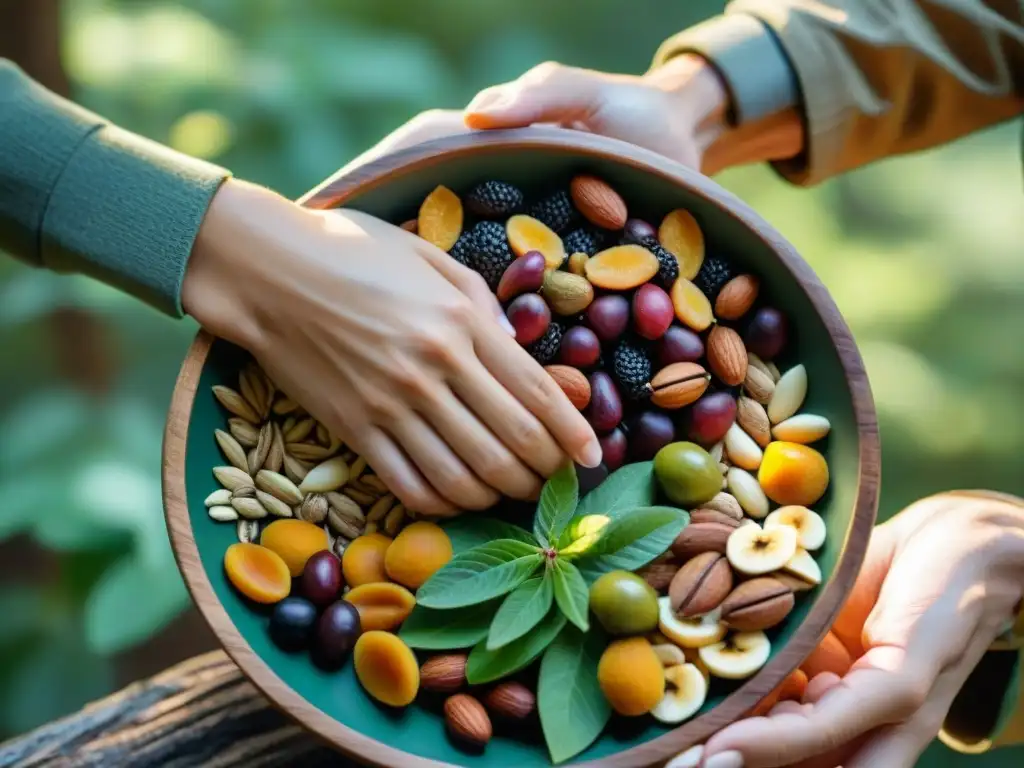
x=875 y=77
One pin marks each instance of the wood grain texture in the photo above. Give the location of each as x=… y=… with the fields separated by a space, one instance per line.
x=336 y=191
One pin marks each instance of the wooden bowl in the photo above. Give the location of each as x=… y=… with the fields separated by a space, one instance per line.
x=333 y=705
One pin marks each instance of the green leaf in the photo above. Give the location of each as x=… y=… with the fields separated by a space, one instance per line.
x=521 y=611
x=571 y=593
x=557 y=505
x=484 y=666
x=435 y=630
x=632 y=540
x=627 y=488
x=468 y=531
x=573 y=710
x=480 y=574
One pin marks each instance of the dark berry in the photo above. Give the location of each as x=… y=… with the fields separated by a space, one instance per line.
x=461 y=250
x=584 y=240
x=632 y=369
x=488 y=252
x=714 y=273
x=637 y=231
x=556 y=211
x=546 y=347
x=669 y=270
x=493 y=199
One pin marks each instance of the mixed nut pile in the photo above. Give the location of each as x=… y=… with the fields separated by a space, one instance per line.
x=672 y=357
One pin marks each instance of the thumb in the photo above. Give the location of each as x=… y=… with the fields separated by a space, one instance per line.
x=548 y=93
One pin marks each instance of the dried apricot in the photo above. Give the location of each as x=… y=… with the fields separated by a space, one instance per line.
x=622 y=267
x=257 y=572
x=631 y=676
x=793 y=474
x=440 y=219
x=295 y=541
x=381 y=605
x=363 y=560
x=692 y=307
x=386 y=668
x=526 y=234
x=680 y=235
x=417 y=553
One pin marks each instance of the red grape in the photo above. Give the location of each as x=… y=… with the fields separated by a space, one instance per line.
x=652 y=311
x=649 y=433
x=613 y=446
x=530 y=316
x=608 y=316
x=680 y=345
x=605 y=410
x=524 y=275
x=767 y=333
x=711 y=417
x=321 y=579
x=580 y=347
x=638 y=230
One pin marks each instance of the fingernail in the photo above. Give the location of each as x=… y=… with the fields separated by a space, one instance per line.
x=688 y=759
x=591 y=455
x=730 y=759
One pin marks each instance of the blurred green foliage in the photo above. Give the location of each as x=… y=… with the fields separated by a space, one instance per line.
x=922 y=254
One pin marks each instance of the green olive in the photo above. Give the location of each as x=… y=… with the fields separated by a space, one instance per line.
x=687 y=473
x=624 y=603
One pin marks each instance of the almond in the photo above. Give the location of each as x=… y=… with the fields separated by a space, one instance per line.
x=659 y=575
x=727 y=356
x=444 y=674
x=510 y=701
x=757 y=604
x=572 y=382
x=467 y=720
x=704 y=515
x=701 y=585
x=737 y=297
x=753 y=418
x=678 y=385
x=598 y=202
x=699 y=538
x=566 y=293
x=759 y=385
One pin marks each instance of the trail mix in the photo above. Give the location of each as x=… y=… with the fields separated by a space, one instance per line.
x=636 y=585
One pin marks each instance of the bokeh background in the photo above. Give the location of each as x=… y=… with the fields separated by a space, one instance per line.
x=923 y=255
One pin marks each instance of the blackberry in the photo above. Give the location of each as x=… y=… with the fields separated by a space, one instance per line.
x=714 y=273
x=632 y=369
x=461 y=250
x=487 y=251
x=493 y=199
x=544 y=349
x=556 y=211
x=583 y=240
x=669 y=270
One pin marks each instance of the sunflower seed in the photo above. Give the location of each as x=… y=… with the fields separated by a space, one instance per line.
x=328 y=476
x=232 y=478
x=218 y=498
x=223 y=514
x=343 y=501
x=342 y=525
x=357 y=469
x=231 y=449
x=360 y=497
x=375 y=482
x=380 y=508
x=258 y=455
x=295 y=469
x=308 y=451
x=254 y=390
x=279 y=486
x=313 y=508
x=245 y=433
x=394 y=520
x=273 y=505
x=275 y=456
x=287 y=424
x=322 y=435
x=248 y=531
x=300 y=431
x=245 y=492
x=284 y=405
x=250 y=509
x=235 y=403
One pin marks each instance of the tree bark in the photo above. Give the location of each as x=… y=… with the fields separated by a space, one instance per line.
x=201 y=712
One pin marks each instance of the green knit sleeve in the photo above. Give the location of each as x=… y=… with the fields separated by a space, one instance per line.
x=80 y=195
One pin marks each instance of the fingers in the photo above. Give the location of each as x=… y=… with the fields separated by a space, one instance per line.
x=521 y=376
x=433 y=124
x=548 y=93
x=830 y=656
x=439 y=464
x=400 y=475
x=820 y=685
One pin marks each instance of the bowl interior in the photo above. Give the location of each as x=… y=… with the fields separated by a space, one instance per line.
x=419 y=730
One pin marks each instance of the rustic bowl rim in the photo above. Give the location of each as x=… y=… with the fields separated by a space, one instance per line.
x=333 y=192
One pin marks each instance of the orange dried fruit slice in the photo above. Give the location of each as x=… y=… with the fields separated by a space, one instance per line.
x=257 y=572
x=440 y=219
x=526 y=234
x=692 y=307
x=680 y=235
x=622 y=267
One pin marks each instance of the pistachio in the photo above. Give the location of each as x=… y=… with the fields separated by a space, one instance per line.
x=279 y=486
x=232 y=478
x=231 y=449
x=235 y=403
x=250 y=509
x=273 y=505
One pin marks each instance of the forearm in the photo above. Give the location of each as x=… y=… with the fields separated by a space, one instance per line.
x=80 y=195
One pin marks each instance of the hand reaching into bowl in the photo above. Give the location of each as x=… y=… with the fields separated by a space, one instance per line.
x=390 y=343
x=940 y=582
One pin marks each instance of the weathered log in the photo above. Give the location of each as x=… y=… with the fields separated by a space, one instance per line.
x=202 y=712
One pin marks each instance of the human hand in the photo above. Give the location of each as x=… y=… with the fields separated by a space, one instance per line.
x=387 y=341
x=940 y=582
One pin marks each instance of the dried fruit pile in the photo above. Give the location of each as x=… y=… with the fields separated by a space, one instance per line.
x=640 y=582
